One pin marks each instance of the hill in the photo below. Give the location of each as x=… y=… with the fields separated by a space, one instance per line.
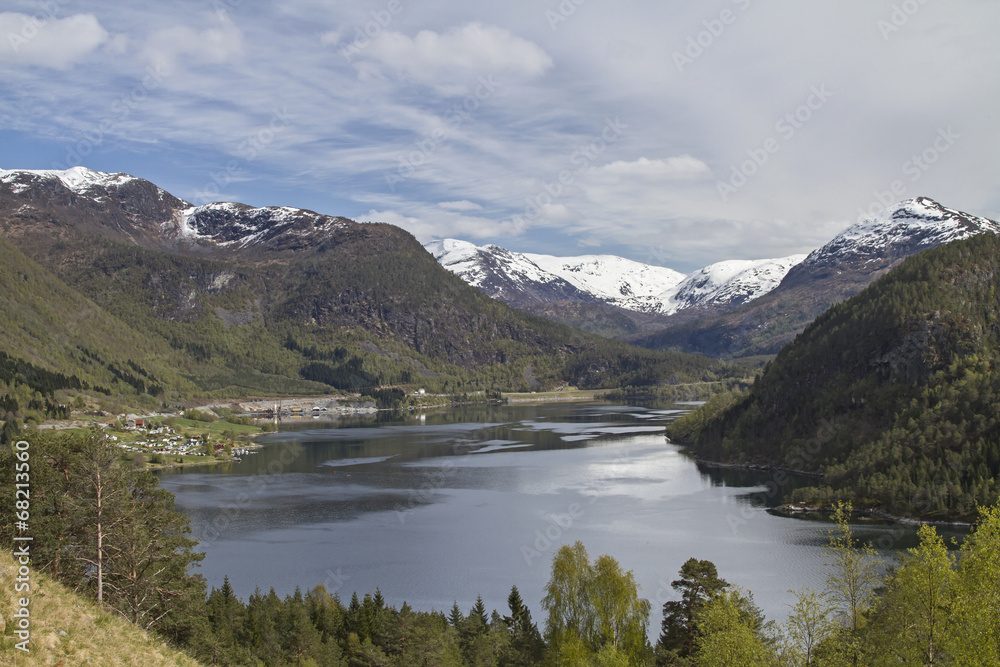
x=892 y=395
x=231 y=300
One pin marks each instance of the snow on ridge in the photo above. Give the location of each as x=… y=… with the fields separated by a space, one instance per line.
x=919 y=219
x=616 y=280
x=611 y=277
x=77 y=179
x=246 y=225
x=730 y=281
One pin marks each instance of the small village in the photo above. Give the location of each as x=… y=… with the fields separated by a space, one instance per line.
x=214 y=433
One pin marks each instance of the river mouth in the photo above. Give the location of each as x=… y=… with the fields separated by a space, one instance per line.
x=473 y=500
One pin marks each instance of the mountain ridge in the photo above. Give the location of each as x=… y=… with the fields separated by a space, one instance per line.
x=279 y=300
x=609 y=285
x=836 y=271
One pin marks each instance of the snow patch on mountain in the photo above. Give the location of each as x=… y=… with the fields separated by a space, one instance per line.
x=477 y=265
x=621 y=282
x=229 y=223
x=730 y=282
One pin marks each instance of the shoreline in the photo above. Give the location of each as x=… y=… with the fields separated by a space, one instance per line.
x=793 y=511
x=802 y=510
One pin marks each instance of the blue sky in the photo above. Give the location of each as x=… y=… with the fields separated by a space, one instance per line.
x=677 y=133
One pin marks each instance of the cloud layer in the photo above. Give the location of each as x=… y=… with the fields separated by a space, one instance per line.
x=679 y=133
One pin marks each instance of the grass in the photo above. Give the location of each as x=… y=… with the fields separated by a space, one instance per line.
x=92 y=636
x=569 y=394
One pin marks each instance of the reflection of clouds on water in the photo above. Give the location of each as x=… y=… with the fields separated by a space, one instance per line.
x=500 y=446
x=344 y=463
x=425 y=432
x=335 y=509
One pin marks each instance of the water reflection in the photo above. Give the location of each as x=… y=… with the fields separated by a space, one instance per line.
x=449 y=506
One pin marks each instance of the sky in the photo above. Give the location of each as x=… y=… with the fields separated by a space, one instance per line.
x=673 y=133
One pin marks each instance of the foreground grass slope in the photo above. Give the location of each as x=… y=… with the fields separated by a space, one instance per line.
x=92 y=636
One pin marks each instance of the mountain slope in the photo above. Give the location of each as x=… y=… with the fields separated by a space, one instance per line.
x=730 y=283
x=892 y=394
x=838 y=270
x=603 y=293
x=282 y=300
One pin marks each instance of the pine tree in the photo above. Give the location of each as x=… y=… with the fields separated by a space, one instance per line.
x=699 y=583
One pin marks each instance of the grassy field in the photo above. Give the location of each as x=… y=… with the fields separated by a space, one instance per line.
x=570 y=394
x=67 y=629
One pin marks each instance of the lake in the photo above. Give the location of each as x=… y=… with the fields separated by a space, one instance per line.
x=451 y=504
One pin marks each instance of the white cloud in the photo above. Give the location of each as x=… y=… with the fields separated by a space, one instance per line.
x=463 y=205
x=428 y=223
x=330 y=38
x=684 y=166
x=49 y=41
x=472 y=47
x=212 y=46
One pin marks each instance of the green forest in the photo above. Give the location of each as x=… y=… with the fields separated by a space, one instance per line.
x=129 y=325
x=106 y=530
x=891 y=395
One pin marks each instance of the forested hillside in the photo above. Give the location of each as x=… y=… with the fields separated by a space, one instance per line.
x=892 y=394
x=104 y=529
x=134 y=294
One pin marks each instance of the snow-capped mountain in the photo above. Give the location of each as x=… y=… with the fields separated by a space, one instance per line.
x=731 y=282
x=524 y=279
x=911 y=224
x=128 y=206
x=835 y=272
x=78 y=179
x=614 y=280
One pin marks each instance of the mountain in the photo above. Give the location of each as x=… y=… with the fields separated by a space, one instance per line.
x=830 y=274
x=892 y=394
x=227 y=299
x=523 y=279
x=604 y=293
x=730 y=283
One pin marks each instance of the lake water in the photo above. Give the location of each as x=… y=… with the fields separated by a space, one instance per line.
x=470 y=501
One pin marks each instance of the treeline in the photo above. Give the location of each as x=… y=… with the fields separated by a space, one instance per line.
x=371 y=310
x=39 y=379
x=107 y=530
x=892 y=394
